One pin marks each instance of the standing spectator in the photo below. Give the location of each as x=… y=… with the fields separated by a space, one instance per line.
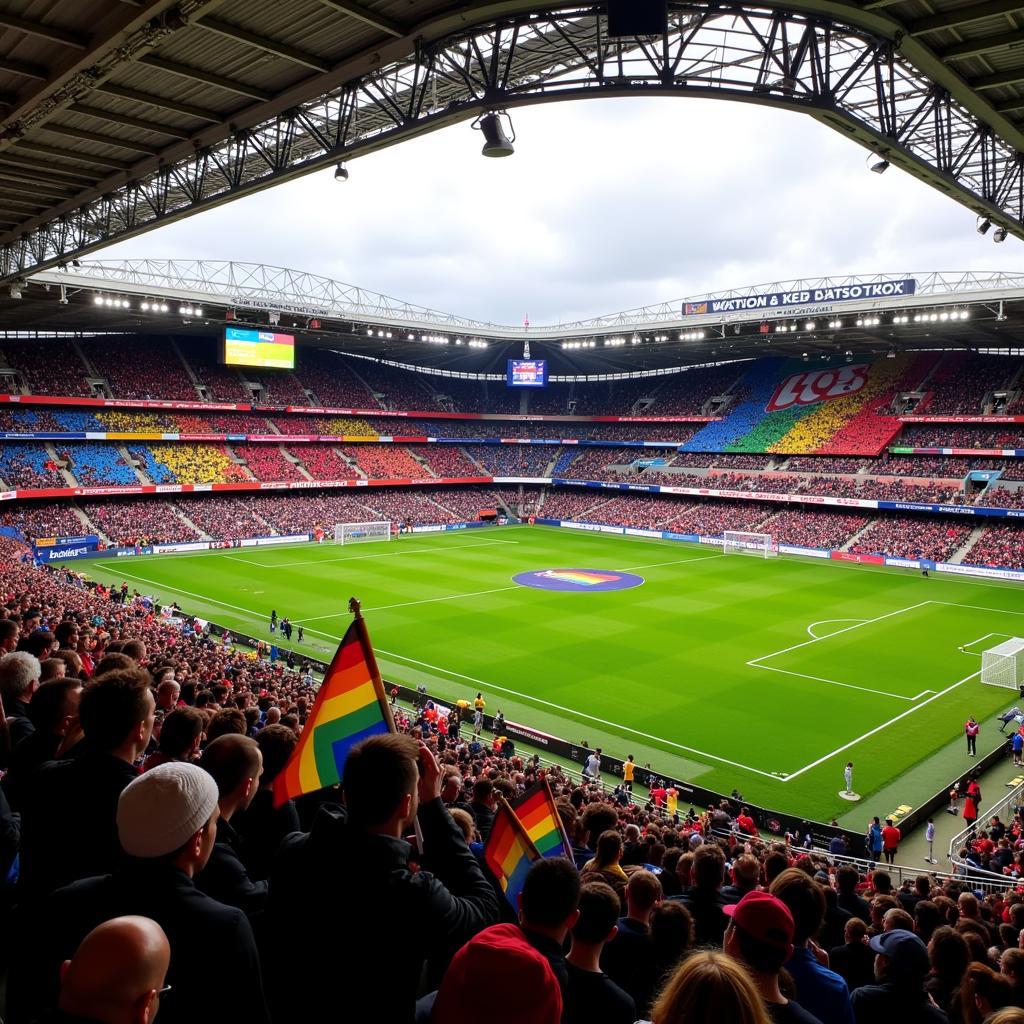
x=874 y=840
x=901 y=966
x=822 y=992
x=592 y=768
x=360 y=859
x=890 y=841
x=69 y=826
x=591 y=994
x=854 y=961
x=760 y=936
x=704 y=898
x=483 y=806
x=116 y=975
x=19 y=679
x=848 y=900
x=548 y=908
x=970 y=813
x=630 y=947
x=971 y=729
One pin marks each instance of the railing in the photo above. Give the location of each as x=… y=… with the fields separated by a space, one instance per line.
x=1005 y=809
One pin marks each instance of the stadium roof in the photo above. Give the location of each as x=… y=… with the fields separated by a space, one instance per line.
x=858 y=315
x=119 y=115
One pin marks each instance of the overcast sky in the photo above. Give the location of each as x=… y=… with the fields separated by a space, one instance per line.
x=606 y=205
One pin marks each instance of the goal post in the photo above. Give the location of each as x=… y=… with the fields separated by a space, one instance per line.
x=739 y=542
x=362 y=533
x=1003 y=665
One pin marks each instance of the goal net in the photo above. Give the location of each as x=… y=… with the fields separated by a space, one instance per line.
x=361 y=533
x=1003 y=665
x=737 y=542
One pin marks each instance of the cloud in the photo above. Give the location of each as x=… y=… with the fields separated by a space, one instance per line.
x=606 y=205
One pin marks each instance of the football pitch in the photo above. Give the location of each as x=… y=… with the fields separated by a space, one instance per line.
x=765 y=675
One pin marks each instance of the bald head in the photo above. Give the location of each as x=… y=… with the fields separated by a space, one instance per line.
x=117 y=972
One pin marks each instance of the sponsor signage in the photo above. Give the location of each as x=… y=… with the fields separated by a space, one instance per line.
x=802 y=297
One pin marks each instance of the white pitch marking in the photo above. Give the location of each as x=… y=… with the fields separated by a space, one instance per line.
x=976 y=607
x=824 y=622
x=409 y=604
x=879 y=728
x=835 y=682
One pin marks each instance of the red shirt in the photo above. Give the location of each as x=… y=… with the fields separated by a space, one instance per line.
x=746 y=824
x=890 y=837
x=658 y=796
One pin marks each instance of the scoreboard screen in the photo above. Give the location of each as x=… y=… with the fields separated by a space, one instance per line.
x=527 y=373
x=261 y=349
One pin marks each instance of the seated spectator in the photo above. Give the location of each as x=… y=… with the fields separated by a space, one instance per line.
x=235 y=763
x=854 y=961
x=591 y=995
x=760 y=936
x=500 y=970
x=704 y=897
x=116 y=975
x=901 y=966
x=361 y=860
x=630 y=947
x=69 y=809
x=167 y=823
x=605 y=866
x=710 y=988
x=821 y=992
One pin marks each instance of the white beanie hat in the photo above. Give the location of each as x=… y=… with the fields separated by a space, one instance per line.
x=159 y=811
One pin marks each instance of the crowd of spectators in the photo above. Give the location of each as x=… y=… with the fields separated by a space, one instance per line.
x=267 y=462
x=963 y=379
x=1000 y=545
x=815 y=528
x=189 y=463
x=29 y=466
x=322 y=462
x=451 y=461
x=385 y=461
x=1002 y=497
x=161 y=374
x=515 y=459
x=132 y=521
x=93 y=463
x=913 y=537
x=957 y=435
x=822 y=464
x=329 y=378
x=47 y=368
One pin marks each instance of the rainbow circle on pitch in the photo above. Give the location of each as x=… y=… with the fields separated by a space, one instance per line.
x=578 y=580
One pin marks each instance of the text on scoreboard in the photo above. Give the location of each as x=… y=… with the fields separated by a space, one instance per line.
x=527 y=373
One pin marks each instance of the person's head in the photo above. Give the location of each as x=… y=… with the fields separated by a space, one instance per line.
x=881 y=881
x=273 y=715
x=774 y=864
x=117 y=973
x=549 y=902
x=19 y=677
x=10 y=630
x=708 y=870
x=598 y=913
x=226 y=722
x=136 y=650
x=672 y=932
x=170 y=814
x=746 y=872
x=110 y=661
x=380 y=782
x=41 y=644
x=901 y=958
x=760 y=932
x=500 y=970
x=986 y=990
x=54 y=707
x=968 y=905
x=1007 y=1015
x=855 y=930
x=465 y=821
x=116 y=712
x=897 y=917
x=168 y=691
x=235 y=764
x=1011 y=963
x=707 y=988
x=805 y=900
x=276 y=744
x=923 y=886
x=181 y=733
x=846 y=879
x=598 y=818
x=609 y=849
x=483 y=793
x=643 y=894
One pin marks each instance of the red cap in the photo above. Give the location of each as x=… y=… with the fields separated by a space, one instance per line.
x=499 y=959
x=765 y=918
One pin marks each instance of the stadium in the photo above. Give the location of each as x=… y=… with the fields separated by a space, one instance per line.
x=691 y=620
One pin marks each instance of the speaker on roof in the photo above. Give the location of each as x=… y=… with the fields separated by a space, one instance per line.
x=637 y=17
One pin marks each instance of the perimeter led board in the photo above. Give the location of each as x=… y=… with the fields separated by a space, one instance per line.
x=262 y=349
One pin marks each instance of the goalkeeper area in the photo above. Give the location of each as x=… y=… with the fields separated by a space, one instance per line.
x=761 y=674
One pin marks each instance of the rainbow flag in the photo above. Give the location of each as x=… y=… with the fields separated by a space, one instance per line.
x=580 y=576
x=350 y=706
x=508 y=852
x=539 y=816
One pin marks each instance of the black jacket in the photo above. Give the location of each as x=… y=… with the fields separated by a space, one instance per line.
x=225 y=878
x=261 y=827
x=215 y=970
x=709 y=920
x=349 y=919
x=69 y=821
x=31 y=753
x=888 y=1002
x=855 y=961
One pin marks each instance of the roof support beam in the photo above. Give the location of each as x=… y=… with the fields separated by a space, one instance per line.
x=975 y=47
x=62 y=154
x=103 y=140
x=56 y=173
x=1005 y=106
x=47 y=193
x=963 y=16
x=175 y=106
x=998 y=80
x=263 y=43
x=12 y=204
x=17 y=67
x=47 y=32
x=132 y=122
x=172 y=67
x=367 y=17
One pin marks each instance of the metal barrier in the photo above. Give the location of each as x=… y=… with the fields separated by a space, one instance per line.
x=1005 y=808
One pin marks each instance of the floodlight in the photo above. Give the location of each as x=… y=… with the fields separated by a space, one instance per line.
x=983 y=225
x=496 y=142
x=341 y=172
x=999 y=235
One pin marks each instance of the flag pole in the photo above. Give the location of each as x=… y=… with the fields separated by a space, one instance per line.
x=371 y=662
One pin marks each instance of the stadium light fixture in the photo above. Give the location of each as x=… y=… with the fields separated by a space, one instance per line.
x=341 y=172
x=15 y=292
x=999 y=235
x=496 y=142
x=877 y=163
x=810 y=325
x=983 y=225
x=98 y=300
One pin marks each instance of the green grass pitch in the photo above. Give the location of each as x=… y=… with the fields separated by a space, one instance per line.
x=726 y=671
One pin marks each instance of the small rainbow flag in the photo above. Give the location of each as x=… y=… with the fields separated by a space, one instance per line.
x=539 y=816
x=508 y=852
x=350 y=706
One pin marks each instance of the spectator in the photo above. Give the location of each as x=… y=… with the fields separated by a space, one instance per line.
x=548 y=908
x=760 y=936
x=235 y=764
x=19 y=680
x=821 y=992
x=116 y=975
x=630 y=947
x=68 y=816
x=704 y=898
x=901 y=966
x=591 y=994
x=167 y=823
x=710 y=988
x=605 y=866
x=181 y=734
x=671 y=940
x=482 y=806
x=854 y=961
x=362 y=861
x=948 y=956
